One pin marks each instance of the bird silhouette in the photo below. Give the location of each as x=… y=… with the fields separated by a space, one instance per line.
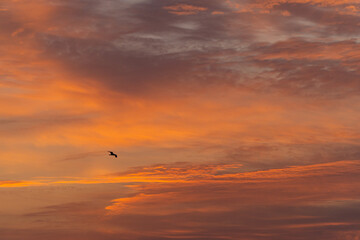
x=112 y=154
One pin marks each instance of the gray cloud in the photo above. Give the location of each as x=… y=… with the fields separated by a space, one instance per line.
x=140 y=48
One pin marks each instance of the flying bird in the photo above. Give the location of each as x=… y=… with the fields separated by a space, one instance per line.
x=112 y=154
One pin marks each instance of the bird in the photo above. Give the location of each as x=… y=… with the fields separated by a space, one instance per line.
x=112 y=154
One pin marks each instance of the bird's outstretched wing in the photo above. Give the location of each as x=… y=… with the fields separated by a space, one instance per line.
x=112 y=154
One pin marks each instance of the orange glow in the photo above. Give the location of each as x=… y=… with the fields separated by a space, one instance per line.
x=230 y=119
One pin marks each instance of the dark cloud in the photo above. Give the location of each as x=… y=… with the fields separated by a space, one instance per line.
x=252 y=223
x=155 y=52
x=312 y=69
x=140 y=48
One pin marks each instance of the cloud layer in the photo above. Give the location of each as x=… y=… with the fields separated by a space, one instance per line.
x=243 y=115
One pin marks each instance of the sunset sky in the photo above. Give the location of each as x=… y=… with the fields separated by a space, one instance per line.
x=232 y=119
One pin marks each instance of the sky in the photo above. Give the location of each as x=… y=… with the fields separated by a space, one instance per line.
x=232 y=119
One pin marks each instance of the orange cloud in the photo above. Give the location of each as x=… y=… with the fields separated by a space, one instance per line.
x=191 y=173
x=184 y=183
x=268 y=6
x=217 y=13
x=184 y=9
x=293 y=199
x=14 y=184
x=272 y=104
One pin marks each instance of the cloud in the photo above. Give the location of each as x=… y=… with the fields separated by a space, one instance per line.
x=14 y=184
x=184 y=9
x=196 y=177
x=277 y=204
x=153 y=55
x=217 y=201
x=243 y=114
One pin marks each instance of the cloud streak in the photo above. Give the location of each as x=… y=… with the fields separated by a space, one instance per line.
x=170 y=199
